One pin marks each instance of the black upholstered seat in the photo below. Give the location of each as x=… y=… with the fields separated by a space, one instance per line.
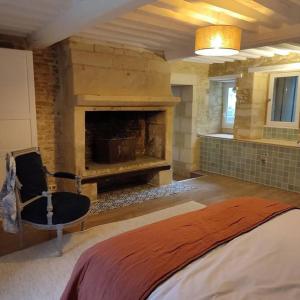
x=67 y=207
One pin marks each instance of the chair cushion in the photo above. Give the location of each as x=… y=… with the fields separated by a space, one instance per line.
x=67 y=207
x=31 y=174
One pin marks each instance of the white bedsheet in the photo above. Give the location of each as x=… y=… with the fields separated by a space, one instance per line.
x=261 y=264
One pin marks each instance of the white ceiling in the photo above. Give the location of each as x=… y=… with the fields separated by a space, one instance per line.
x=165 y=25
x=23 y=17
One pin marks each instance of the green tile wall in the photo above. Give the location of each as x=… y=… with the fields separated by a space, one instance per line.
x=281 y=133
x=272 y=165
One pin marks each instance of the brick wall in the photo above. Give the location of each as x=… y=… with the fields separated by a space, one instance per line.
x=46 y=88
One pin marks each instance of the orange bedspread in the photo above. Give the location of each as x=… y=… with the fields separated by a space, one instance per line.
x=133 y=264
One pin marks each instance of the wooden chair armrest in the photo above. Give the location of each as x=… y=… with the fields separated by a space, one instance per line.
x=66 y=175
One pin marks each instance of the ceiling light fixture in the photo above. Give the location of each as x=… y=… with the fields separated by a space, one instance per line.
x=218 y=40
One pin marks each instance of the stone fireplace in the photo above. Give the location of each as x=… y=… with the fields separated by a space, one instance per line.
x=116 y=113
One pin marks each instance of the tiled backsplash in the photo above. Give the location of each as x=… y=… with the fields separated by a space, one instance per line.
x=272 y=165
x=281 y=133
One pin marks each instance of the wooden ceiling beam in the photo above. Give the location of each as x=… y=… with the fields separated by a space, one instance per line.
x=13 y=32
x=22 y=9
x=180 y=52
x=15 y=27
x=248 y=55
x=201 y=60
x=259 y=52
x=17 y=23
x=238 y=57
x=123 y=37
x=139 y=34
x=232 y=7
x=287 y=9
x=215 y=58
x=169 y=33
x=276 y=50
x=205 y=12
x=290 y=46
x=198 y=61
x=223 y=58
x=101 y=40
x=81 y=15
x=285 y=34
x=296 y=1
x=156 y=21
x=171 y=14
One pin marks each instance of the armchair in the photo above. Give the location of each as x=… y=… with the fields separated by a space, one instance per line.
x=39 y=207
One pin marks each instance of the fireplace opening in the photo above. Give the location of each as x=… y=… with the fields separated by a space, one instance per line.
x=115 y=138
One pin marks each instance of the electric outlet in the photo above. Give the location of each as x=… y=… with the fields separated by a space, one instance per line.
x=52 y=187
x=263 y=158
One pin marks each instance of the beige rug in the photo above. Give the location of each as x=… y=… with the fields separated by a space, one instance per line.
x=37 y=274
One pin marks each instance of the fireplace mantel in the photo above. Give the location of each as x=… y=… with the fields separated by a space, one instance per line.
x=132 y=101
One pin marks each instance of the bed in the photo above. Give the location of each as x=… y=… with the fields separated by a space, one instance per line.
x=262 y=261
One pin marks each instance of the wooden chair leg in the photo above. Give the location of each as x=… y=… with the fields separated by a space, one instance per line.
x=82 y=226
x=59 y=232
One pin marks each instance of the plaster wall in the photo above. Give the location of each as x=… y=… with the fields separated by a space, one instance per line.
x=46 y=91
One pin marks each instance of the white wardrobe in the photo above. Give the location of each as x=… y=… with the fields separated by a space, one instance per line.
x=17 y=103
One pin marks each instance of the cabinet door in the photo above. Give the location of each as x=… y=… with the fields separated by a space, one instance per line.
x=17 y=103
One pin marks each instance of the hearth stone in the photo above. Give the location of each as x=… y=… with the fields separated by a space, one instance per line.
x=162 y=178
x=90 y=190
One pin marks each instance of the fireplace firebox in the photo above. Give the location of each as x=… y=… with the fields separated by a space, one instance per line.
x=114 y=149
x=114 y=137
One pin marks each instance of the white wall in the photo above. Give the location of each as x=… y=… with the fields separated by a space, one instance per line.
x=17 y=103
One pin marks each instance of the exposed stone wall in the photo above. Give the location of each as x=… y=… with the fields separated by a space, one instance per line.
x=252 y=92
x=215 y=109
x=196 y=117
x=183 y=122
x=243 y=65
x=207 y=112
x=108 y=70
